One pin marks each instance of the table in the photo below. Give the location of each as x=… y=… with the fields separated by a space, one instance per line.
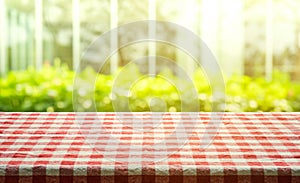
x=249 y=147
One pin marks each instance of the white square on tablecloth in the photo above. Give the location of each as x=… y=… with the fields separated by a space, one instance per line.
x=270 y=170
x=52 y=170
x=216 y=170
x=107 y=170
x=25 y=170
x=134 y=170
x=189 y=170
x=161 y=170
x=295 y=171
x=244 y=170
x=2 y=170
x=80 y=170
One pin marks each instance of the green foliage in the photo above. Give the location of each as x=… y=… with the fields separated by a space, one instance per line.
x=50 y=89
x=257 y=94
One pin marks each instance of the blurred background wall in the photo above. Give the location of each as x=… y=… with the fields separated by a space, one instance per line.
x=251 y=37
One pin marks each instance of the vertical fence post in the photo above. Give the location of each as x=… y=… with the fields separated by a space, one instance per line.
x=269 y=40
x=22 y=41
x=14 y=39
x=114 y=37
x=188 y=19
x=3 y=36
x=47 y=46
x=231 y=32
x=28 y=40
x=30 y=46
x=38 y=33
x=210 y=24
x=76 y=33
x=152 y=33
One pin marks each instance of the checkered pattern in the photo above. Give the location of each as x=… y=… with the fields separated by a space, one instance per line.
x=249 y=147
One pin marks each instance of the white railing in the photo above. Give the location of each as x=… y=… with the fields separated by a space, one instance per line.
x=3 y=42
x=38 y=33
x=76 y=33
x=114 y=37
x=152 y=33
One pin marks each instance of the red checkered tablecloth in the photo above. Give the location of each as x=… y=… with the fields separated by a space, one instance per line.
x=249 y=147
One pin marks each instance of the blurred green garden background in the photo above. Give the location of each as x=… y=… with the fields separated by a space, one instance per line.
x=256 y=43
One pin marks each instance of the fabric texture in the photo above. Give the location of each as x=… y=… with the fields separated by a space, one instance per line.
x=52 y=147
